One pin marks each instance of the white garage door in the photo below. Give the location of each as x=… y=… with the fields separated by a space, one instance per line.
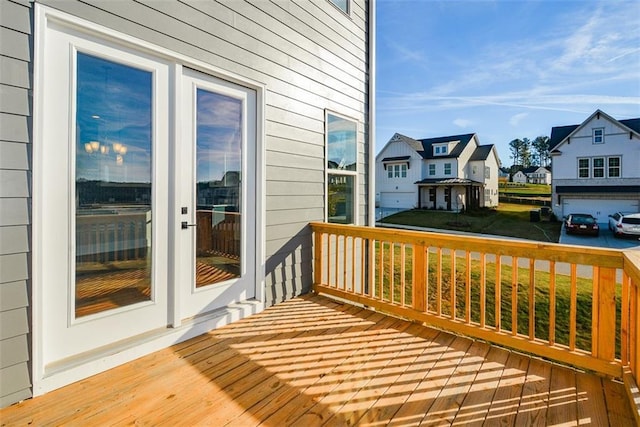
x=395 y=199
x=600 y=209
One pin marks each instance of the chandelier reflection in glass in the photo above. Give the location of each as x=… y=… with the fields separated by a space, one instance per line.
x=96 y=147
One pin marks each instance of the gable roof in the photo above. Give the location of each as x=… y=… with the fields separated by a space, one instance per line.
x=532 y=169
x=560 y=133
x=462 y=141
x=481 y=152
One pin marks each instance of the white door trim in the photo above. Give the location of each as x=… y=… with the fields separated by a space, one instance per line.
x=102 y=359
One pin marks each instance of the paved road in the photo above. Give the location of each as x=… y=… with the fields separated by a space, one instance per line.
x=605 y=239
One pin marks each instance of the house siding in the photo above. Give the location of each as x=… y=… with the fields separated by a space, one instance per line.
x=308 y=54
x=15 y=226
x=617 y=142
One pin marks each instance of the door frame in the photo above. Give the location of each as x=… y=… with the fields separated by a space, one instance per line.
x=46 y=378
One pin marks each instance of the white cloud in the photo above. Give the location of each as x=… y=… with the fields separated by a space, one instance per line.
x=462 y=123
x=516 y=119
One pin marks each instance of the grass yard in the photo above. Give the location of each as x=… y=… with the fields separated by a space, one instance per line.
x=487 y=288
x=509 y=219
x=510 y=189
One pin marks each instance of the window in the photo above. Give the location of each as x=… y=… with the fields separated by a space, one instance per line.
x=343 y=5
x=614 y=167
x=446 y=195
x=447 y=168
x=487 y=172
x=598 y=136
x=432 y=195
x=598 y=167
x=432 y=170
x=397 y=171
x=341 y=168
x=440 y=150
x=583 y=168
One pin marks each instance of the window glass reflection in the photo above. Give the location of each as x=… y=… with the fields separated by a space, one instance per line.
x=341 y=140
x=218 y=187
x=113 y=185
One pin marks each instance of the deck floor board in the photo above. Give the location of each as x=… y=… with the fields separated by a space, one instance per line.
x=314 y=361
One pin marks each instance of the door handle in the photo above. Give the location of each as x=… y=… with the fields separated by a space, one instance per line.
x=184 y=225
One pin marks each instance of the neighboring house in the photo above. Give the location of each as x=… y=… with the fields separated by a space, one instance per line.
x=519 y=177
x=596 y=167
x=448 y=173
x=159 y=165
x=537 y=175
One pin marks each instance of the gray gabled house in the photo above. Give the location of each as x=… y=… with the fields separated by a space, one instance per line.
x=159 y=165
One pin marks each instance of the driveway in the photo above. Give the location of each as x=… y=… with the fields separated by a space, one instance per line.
x=604 y=240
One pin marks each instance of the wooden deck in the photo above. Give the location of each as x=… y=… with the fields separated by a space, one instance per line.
x=313 y=361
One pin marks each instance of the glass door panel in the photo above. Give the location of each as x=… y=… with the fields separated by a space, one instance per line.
x=113 y=175
x=218 y=187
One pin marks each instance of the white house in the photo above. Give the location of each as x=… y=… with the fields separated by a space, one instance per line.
x=537 y=175
x=596 y=166
x=519 y=177
x=448 y=173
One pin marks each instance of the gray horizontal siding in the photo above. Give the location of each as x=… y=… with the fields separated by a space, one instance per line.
x=15 y=191
x=309 y=55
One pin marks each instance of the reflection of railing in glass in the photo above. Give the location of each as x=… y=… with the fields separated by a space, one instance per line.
x=217 y=246
x=113 y=265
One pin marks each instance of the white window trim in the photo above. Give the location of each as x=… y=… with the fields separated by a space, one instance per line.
x=603 y=168
x=593 y=135
x=327 y=171
x=41 y=383
x=619 y=167
x=588 y=168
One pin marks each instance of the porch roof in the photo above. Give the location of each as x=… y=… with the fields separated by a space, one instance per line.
x=312 y=361
x=448 y=182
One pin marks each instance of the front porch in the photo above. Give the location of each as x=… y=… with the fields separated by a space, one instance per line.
x=315 y=361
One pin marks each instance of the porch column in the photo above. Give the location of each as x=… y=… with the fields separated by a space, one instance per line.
x=419 y=197
x=450 y=197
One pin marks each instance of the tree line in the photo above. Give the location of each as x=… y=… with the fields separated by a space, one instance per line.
x=526 y=152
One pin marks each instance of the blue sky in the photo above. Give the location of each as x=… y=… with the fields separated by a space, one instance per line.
x=503 y=69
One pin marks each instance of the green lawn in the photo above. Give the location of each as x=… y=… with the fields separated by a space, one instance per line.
x=511 y=220
x=510 y=189
x=542 y=299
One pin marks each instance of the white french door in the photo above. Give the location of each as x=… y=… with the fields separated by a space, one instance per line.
x=216 y=174
x=137 y=228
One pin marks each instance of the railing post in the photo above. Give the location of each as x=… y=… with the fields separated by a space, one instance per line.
x=317 y=261
x=605 y=313
x=419 y=278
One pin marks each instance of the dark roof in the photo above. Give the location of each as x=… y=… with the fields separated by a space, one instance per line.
x=427 y=146
x=532 y=169
x=396 y=159
x=559 y=133
x=564 y=189
x=632 y=124
x=481 y=152
x=448 y=181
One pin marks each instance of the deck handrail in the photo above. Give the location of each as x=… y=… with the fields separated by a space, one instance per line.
x=450 y=281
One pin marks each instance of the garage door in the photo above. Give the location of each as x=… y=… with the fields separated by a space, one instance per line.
x=395 y=199
x=600 y=209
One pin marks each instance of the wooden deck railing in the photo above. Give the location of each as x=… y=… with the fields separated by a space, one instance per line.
x=575 y=305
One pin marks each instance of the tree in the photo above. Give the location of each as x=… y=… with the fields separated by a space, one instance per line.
x=525 y=152
x=515 y=146
x=541 y=149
